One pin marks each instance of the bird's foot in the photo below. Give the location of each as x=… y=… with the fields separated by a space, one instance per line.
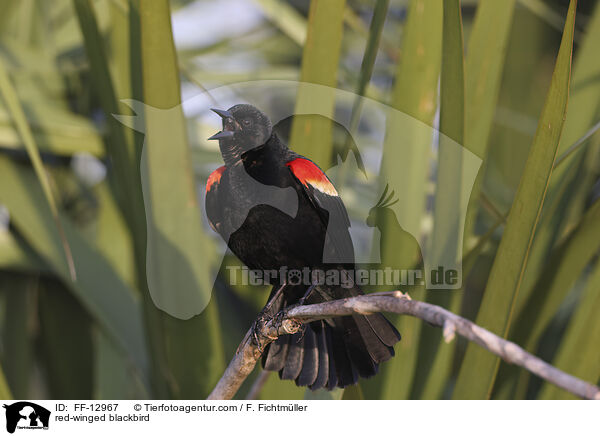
x=277 y=320
x=259 y=324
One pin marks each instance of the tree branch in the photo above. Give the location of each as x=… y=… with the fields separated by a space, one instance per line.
x=290 y=320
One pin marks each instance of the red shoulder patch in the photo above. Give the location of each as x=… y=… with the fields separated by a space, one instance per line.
x=215 y=177
x=310 y=174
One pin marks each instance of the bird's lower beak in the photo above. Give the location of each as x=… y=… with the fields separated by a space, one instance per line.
x=229 y=125
x=222 y=135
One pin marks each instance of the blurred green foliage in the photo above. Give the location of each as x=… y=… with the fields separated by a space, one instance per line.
x=492 y=75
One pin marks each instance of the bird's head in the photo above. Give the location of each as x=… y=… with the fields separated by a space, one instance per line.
x=244 y=128
x=376 y=213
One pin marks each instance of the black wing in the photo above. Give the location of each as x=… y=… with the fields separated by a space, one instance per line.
x=322 y=194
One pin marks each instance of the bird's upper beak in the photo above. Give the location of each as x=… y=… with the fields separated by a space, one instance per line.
x=230 y=125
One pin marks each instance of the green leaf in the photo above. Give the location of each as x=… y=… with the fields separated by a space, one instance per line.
x=547 y=13
x=323 y=394
x=366 y=71
x=14 y=106
x=311 y=136
x=414 y=95
x=16 y=255
x=54 y=130
x=20 y=292
x=284 y=16
x=176 y=239
x=115 y=378
x=277 y=389
x=487 y=48
x=368 y=61
x=179 y=254
x=483 y=72
x=568 y=193
x=578 y=353
x=98 y=287
x=478 y=371
x=4 y=390
x=562 y=269
x=353 y=392
x=574 y=173
x=433 y=351
x=65 y=343
x=123 y=154
x=484 y=66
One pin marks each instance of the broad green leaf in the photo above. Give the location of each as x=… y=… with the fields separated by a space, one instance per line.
x=445 y=237
x=176 y=239
x=579 y=354
x=54 y=130
x=98 y=286
x=66 y=347
x=353 y=392
x=525 y=82
x=366 y=71
x=548 y=13
x=414 y=94
x=562 y=269
x=483 y=72
x=574 y=174
x=323 y=394
x=572 y=179
x=567 y=194
x=16 y=255
x=284 y=16
x=311 y=137
x=484 y=66
x=114 y=378
x=5 y=393
x=179 y=254
x=7 y=9
x=122 y=154
x=16 y=110
x=478 y=371
x=18 y=334
x=277 y=389
x=112 y=237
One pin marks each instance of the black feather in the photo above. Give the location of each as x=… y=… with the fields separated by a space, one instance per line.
x=323 y=372
x=310 y=362
x=275 y=355
x=295 y=356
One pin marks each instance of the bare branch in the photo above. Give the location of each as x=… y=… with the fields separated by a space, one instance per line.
x=290 y=320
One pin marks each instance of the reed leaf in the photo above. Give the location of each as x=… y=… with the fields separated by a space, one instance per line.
x=479 y=368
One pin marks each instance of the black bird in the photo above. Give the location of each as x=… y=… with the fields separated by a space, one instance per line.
x=277 y=209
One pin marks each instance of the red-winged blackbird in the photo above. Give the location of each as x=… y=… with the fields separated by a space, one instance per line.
x=277 y=210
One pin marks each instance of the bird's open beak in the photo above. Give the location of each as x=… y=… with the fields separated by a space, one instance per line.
x=229 y=125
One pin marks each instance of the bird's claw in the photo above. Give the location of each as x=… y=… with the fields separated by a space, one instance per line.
x=257 y=340
x=302 y=330
x=257 y=326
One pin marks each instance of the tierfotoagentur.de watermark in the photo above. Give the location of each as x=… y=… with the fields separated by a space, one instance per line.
x=242 y=275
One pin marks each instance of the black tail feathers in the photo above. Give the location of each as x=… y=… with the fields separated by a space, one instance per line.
x=333 y=353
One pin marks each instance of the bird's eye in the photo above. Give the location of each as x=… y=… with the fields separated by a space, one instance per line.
x=246 y=122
